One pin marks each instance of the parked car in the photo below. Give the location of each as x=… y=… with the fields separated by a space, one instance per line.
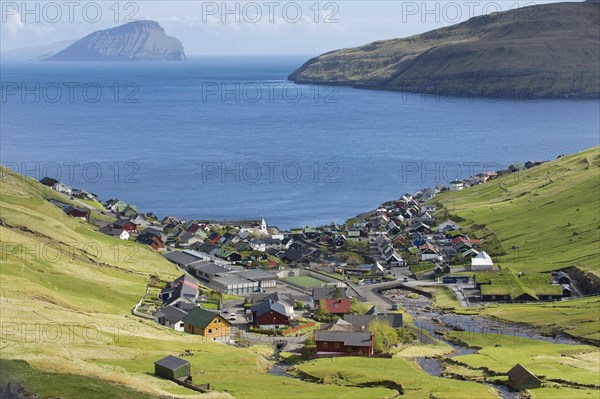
x=405 y=279
x=233 y=317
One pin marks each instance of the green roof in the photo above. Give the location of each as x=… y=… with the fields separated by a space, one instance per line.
x=200 y=317
x=505 y=282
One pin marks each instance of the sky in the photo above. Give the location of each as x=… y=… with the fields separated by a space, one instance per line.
x=243 y=27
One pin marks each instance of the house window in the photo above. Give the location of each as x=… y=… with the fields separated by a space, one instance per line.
x=215 y=321
x=493 y=296
x=336 y=345
x=324 y=345
x=210 y=331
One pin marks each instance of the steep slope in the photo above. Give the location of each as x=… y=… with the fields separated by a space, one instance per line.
x=135 y=41
x=550 y=51
x=544 y=218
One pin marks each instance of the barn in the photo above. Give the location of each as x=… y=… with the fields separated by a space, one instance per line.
x=172 y=368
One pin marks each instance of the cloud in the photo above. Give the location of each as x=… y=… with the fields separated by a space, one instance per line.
x=13 y=24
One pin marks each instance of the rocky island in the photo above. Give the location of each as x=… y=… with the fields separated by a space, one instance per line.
x=134 y=41
x=542 y=51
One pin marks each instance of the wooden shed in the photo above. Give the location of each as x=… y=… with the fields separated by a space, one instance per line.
x=172 y=368
x=520 y=378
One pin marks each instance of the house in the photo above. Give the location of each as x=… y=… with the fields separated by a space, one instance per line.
x=48 y=181
x=482 y=262
x=563 y=278
x=115 y=205
x=171 y=317
x=181 y=259
x=83 y=194
x=448 y=225
x=228 y=255
x=319 y=293
x=257 y=297
x=172 y=368
x=520 y=378
x=271 y=314
x=125 y=224
x=344 y=343
x=361 y=322
x=186 y=239
x=76 y=212
x=207 y=324
x=442 y=269
x=429 y=208
x=430 y=253
x=151 y=239
x=118 y=233
x=336 y=306
x=456 y=185
x=338 y=325
x=62 y=188
x=157 y=232
x=182 y=287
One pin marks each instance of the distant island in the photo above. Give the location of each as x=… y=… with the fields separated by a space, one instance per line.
x=134 y=41
x=543 y=51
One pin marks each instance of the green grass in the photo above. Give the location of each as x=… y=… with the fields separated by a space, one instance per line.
x=352 y=371
x=559 y=363
x=93 y=203
x=506 y=282
x=304 y=281
x=541 y=219
x=63 y=385
x=579 y=317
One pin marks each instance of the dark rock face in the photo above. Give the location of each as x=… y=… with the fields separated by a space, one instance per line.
x=545 y=51
x=135 y=41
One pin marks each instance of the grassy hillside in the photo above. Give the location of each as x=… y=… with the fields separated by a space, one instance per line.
x=547 y=50
x=66 y=293
x=541 y=219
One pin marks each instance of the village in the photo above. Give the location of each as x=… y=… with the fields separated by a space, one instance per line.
x=320 y=291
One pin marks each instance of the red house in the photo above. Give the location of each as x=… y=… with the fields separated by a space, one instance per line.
x=151 y=239
x=270 y=314
x=343 y=343
x=337 y=305
x=126 y=225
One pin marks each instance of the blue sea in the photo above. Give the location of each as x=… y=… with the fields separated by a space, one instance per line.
x=231 y=138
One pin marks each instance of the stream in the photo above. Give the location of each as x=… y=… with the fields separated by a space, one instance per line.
x=434 y=321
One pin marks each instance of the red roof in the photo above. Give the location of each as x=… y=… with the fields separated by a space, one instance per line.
x=338 y=306
x=460 y=239
x=193 y=228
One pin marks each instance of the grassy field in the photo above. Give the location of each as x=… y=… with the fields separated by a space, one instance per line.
x=355 y=371
x=540 y=219
x=567 y=366
x=304 y=281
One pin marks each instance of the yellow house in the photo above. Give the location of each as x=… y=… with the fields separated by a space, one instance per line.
x=206 y=323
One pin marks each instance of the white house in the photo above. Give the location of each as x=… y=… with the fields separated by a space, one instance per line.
x=456 y=185
x=171 y=317
x=482 y=262
x=448 y=225
x=62 y=188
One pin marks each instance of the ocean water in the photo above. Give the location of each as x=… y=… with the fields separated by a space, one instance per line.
x=230 y=138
